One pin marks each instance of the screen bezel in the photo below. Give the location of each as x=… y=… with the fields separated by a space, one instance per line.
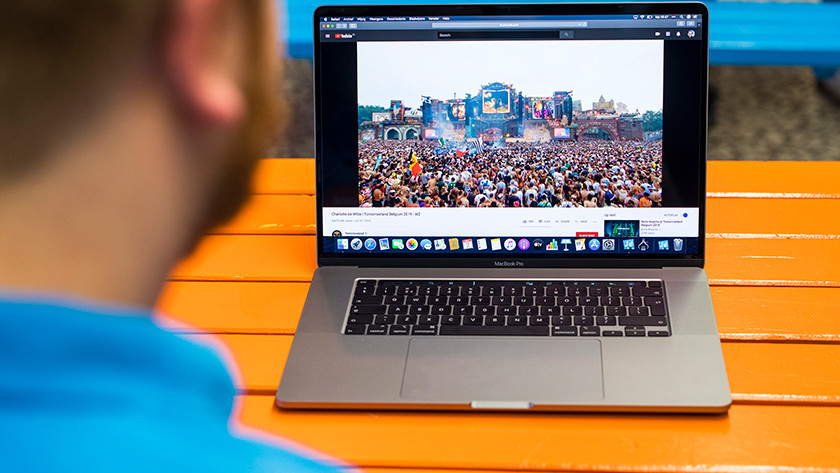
x=533 y=261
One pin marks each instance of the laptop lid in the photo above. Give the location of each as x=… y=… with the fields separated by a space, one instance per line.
x=563 y=135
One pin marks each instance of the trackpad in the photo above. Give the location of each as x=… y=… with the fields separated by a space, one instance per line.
x=536 y=370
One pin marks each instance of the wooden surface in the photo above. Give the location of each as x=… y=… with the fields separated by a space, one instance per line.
x=773 y=258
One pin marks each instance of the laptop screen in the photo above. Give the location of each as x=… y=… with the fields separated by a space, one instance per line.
x=492 y=133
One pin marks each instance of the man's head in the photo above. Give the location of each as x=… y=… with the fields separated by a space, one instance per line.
x=129 y=118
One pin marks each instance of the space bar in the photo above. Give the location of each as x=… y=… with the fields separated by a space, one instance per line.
x=531 y=330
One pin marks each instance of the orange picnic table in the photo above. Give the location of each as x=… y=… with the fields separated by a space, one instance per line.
x=773 y=259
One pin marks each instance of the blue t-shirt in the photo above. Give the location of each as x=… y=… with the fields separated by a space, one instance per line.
x=87 y=388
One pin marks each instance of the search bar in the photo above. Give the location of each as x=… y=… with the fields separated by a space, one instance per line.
x=509 y=24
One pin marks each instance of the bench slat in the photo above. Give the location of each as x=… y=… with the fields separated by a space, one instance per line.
x=749 y=438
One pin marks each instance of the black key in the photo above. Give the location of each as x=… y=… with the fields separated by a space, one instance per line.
x=355 y=329
x=396 y=300
x=377 y=329
x=647 y=291
x=365 y=290
x=451 y=320
x=656 y=304
x=399 y=330
x=577 y=291
x=367 y=309
x=612 y=333
x=425 y=329
x=480 y=300
x=375 y=300
x=599 y=291
x=407 y=290
x=427 y=290
x=572 y=310
x=588 y=301
x=631 y=301
x=397 y=309
x=366 y=282
x=449 y=291
x=438 y=300
x=501 y=300
x=386 y=290
x=385 y=319
x=555 y=291
x=590 y=331
x=523 y=330
x=470 y=291
x=459 y=300
x=533 y=291
x=605 y=320
x=429 y=319
x=611 y=301
x=441 y=310
x=643 y=321
x=619 y=291
x=564 y=331
x=473 y=320
x=561 y=320
x=523 y=300
x=517 y=320
x=462 y=310
x=593 y=310
x=567 y=300
x=654 y=283
x=416 y=300
x=360 y=319
x=506 y=310
x=616 y=311
x=538 y=320
x=585 y=320
x=658 y=333
x=634 y=333
x=418 y=309
x=491 y=291
x=546 y=301
x=511 y=291
x=529 y=310
x=550 y=310
x=638 y=311
x=485 y=310
x=494 y=320
x=407 y=319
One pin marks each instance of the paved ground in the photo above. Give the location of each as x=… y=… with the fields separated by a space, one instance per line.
x=761 y=113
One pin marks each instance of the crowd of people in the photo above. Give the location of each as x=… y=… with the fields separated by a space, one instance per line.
x=538 y=174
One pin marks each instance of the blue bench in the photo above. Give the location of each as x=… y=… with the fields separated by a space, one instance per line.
x=741 y=33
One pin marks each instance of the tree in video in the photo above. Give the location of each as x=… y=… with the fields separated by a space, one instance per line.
x=510 y=124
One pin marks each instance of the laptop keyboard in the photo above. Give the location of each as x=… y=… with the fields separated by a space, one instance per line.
x=559 y=308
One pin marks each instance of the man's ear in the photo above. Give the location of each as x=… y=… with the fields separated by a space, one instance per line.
x=192 y=47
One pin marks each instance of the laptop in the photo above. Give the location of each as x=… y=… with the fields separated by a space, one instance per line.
x=511 y=211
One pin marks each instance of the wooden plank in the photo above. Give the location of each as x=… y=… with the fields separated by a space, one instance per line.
x=273 y=215
x=295 y=215
x=776 y=177
x=743 y=313
x=781 y=373
x=749 y=438
x=232 y=307
x=297 y=176
x=797 y=218
x=729 y=262
x=285 y=176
